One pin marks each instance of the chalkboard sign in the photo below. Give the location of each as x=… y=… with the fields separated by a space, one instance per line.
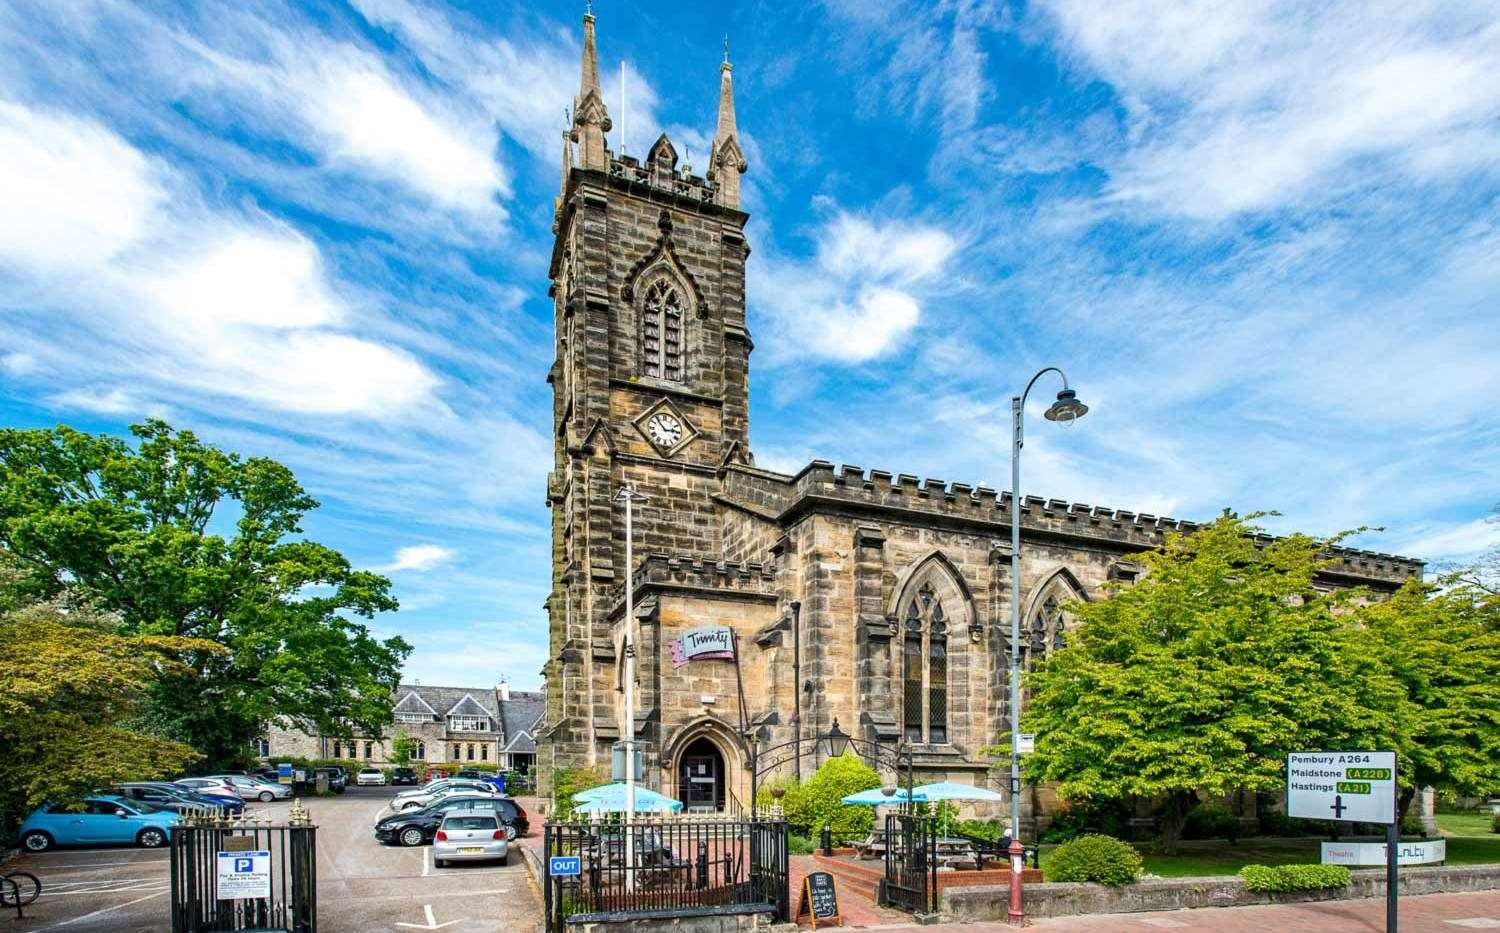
x=820 y=899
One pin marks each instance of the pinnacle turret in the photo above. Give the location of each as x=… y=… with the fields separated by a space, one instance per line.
x=590 y=116
x=726 y=160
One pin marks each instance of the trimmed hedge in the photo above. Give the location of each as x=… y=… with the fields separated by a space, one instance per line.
x=1280 y=878
x=1101 y=859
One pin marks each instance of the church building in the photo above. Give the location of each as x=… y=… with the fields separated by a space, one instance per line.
x=902 y=585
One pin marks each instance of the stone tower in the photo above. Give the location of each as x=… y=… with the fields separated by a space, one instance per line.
x=649 y=385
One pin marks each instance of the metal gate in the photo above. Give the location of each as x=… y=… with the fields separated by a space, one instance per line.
x=678 y=868
x=291 y=901
x=910 y=881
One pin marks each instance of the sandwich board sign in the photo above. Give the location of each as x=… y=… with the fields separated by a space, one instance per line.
x=1358 y=787
x=1349 y=787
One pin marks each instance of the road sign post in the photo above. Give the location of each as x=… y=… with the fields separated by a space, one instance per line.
x=1350 y=787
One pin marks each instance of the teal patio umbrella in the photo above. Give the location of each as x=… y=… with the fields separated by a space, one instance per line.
x=951 y=790
x=611 y=799
x=876 y=797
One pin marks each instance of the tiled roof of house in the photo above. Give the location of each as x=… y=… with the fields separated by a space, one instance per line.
x=519 y=715
x=442 y=700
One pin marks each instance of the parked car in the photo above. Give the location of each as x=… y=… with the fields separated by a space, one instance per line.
x=338 y=778
x=268 y=774
x=166 y=796
x=250 y=788
x=370 y=777
x=423 y=796
x=212 y=787
x=102 y=818
x=471 y=837
x=416 y=827
x=489 y=777
x=403 y=776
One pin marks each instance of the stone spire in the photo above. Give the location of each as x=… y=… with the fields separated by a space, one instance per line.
x=567 y=166
x=726 y=160
x=590 y=117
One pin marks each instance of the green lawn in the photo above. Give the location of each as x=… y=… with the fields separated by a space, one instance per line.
x=1467 y=823
x=1221 y=858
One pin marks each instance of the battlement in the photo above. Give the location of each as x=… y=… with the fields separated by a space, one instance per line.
x=750 y=578
x=882 y=489
x=655 y=175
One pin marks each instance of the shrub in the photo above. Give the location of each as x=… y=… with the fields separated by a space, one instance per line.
x=568 y=781
x=1211 y=821
x=1411 y=823
x=1102 y=859
x=991 y=830
x=1282 y=878
x=809 y=806
x=800 y=845
x=1495 y=822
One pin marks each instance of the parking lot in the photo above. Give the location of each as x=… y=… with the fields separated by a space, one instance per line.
x=362 y=885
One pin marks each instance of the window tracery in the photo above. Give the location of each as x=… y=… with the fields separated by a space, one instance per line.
x=661 y=331
x=924 y=675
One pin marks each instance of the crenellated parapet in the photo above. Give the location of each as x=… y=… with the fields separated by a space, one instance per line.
x=722 y=579
x=822 y=484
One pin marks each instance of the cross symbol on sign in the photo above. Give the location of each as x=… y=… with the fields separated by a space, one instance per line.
x=1338 y=807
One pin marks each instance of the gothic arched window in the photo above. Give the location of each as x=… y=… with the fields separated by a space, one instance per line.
x=924 y=669
x=661 y=331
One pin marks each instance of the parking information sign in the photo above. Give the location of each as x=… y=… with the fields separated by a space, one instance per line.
x=244 y=874
x=1351 y=786
x=564 y=865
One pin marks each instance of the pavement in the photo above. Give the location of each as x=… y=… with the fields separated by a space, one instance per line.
x=363 y=886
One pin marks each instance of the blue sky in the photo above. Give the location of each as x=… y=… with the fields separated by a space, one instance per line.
x=1261 y=238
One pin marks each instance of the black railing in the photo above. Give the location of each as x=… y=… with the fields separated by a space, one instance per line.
x=292 y=900
x=678 y=867
x=911 y=863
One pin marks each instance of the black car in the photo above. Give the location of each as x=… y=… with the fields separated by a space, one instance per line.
x=417 y=827
x=338 y=779
x=403 y=776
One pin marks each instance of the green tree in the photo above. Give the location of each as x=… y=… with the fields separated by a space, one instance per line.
x=1442 y=642
x=68 y=684
x=403 y=746
x=176 y=537
x=1204 y=674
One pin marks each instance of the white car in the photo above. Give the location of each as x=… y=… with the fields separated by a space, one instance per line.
x=250 y=788
x=370 y=777
x=217 y=786
x=471 y=836
x=425 y=797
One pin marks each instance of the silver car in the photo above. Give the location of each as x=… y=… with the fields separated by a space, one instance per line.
x=471 y=837
x=250 y=788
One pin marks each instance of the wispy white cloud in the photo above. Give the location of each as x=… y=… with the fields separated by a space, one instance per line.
x=419 y=558
x=1241 y=107
x=1449 y=541
x=858 y=295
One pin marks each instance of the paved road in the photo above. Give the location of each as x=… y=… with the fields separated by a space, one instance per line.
x=363 y=886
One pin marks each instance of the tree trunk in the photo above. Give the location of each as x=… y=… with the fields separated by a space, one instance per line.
x=1403 y=803
x=1173 y=818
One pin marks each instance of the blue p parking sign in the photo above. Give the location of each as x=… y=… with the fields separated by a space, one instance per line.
x=564 y=865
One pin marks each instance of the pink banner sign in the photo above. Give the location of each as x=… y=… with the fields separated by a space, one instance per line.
x=700 y=644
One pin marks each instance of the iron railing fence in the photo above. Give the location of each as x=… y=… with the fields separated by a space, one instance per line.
x=292 y=902
x=679 y=866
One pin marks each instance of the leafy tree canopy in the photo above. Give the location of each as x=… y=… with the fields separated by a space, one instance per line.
x=175 y=537
x=1204 y=674
x=67 y=683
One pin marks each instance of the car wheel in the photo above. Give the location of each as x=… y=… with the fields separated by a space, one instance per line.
x=36 y=841
x=410 y=805
x=151 y=839
x=411 y=836
x=266 y=796
x=439 y=863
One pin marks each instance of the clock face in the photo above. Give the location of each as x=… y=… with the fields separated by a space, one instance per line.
x=664 y=429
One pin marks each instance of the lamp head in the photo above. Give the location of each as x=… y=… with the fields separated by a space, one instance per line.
x=1067 y=409
x=838 y=741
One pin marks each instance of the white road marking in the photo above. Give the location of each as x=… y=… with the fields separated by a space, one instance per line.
x=1476 y=923
x=426 y=861
x=432 y=923
x=102 y=911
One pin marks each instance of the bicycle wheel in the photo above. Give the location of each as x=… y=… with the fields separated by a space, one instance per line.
x=10 y=893
x=25 y=886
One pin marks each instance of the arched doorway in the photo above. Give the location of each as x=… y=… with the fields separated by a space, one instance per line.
x=700 y=777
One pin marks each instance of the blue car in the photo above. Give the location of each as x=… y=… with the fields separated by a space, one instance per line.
x=102 y=818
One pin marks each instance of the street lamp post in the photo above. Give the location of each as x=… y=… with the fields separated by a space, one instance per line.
x=1066 y=410
x=629 y=496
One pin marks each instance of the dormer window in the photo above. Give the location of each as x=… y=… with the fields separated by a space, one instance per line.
x=468 y=724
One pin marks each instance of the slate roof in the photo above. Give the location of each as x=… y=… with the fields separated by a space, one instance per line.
x=444 y=699
x=518 y=718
